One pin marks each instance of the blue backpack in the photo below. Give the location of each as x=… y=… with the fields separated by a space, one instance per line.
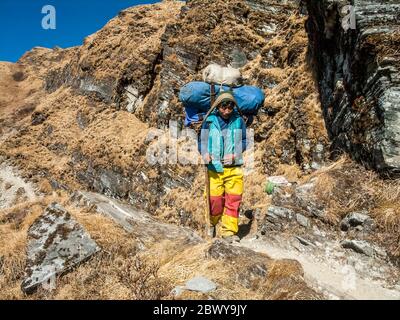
x=196 y=99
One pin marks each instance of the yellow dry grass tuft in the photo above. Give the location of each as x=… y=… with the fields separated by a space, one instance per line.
x=117 y=272
x=286 y=282
x=345 y=186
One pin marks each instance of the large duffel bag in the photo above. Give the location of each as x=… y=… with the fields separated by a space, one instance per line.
x=195 y=97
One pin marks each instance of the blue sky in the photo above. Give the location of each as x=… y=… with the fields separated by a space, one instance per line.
x=21 y=23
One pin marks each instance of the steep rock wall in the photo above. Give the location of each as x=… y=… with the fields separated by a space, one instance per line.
x=355 y=54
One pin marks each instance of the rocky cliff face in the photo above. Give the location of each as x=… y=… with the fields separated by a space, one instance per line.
x=354 y=50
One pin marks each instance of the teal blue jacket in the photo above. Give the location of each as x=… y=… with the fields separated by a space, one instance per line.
x=221 y=137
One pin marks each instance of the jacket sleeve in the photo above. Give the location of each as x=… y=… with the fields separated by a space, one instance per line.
x=244 y=136
x=203 y=138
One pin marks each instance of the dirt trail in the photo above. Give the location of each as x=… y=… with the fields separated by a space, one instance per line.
x=332 y=272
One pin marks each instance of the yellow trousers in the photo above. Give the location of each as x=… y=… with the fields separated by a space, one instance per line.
x=226 y=191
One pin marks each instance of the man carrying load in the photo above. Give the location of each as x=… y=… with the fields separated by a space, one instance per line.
x=221 y=143
x=222 y=139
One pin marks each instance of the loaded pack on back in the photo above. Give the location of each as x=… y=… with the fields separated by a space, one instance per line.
x=198 y=96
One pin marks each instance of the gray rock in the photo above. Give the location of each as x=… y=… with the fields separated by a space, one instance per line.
x=279 y=181
x=359 y=228
x=178 y=290
x=200 y=284
x=298 y=247
x=305 y=189
x=359 y=246
x=238 y=58
x=222 y=250
x=281 y=198
x=380 y=252
x=112 y=183
x=304 y=197
x=316 y=211
x=103 y=90
x=354 y=220
x=275 y=219
x=305 y=242
x=106 y=181
x=134 y=100
x=138 y=222
x=57 y=186
x=280 y=212
x=56 y=243
x=19 y=76
x=302 y=220
x=82 y=120
x=38 y=118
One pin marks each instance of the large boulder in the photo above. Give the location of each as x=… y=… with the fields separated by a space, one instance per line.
x=56 y=244
x=356 y=219
x=143 y=226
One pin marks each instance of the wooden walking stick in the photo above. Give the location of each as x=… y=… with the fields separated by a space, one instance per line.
x=208 y=204
x=207 y=180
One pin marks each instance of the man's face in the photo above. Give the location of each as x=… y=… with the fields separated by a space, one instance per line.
x=225 y=109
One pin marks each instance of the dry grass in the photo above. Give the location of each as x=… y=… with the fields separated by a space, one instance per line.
x=343 y=187
x=226 y=274
x=346 y=186
x=385 y=45
x=291 y=172
x=13 y=230
x=117 y=272
x=387 y=213
x=121 y=270
x=286 y=282
x=296 y=126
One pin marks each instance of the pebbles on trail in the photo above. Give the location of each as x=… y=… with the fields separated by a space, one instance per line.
x=336 y=272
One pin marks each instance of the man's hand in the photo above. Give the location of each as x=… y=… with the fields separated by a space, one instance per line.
x=207 y=158
x=229 y=159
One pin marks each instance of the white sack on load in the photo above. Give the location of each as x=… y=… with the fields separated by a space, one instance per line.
x=215 y=73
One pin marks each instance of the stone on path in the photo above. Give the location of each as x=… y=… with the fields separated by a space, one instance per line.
x=358 y=246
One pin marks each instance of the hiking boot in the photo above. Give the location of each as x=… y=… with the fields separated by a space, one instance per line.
x=231 y=239
x=212 y=231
